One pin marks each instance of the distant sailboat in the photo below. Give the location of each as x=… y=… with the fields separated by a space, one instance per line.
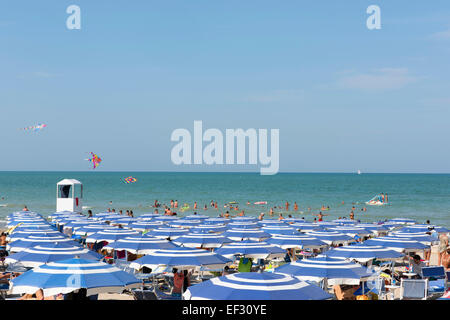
x=359 y=171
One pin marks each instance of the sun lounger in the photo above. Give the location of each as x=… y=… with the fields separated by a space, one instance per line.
x=416 y=289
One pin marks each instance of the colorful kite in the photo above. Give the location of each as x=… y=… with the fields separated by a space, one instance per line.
x=129 y=180
x=35 y=128
x=95 y=160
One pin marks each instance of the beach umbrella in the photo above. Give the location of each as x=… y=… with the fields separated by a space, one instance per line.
x=417 y=236
x=166 y=218
x=110 y=235
x=251 y=249
x=196 y=217
x=255 y=286
x=33 y=240
x=395 y=243
x=243 y=225
x=50 y=252
x=35 y=226
x=424 y=228
x=331 y=237
x=248 y=234
x=306 y=226
x=181 y=258
x=335 y=271
x=244 y=219
x=167 y=233
x=14 y=222
x=22 y=234
x=273 y=222
x=68 y=275
x=351 y=231
x=292 y=220
x=296 y=241
x=374 y=228
x=274 y=230
x=81 y=223
x=344 y=221
x=211 y=228
x=145 y=225
x=184 y=223
x=147 y=216
x=93 y=228
x=140 y=245
x=402 y=221
x=202 y=240
x=216 y=221
x=363 y=253
x=123 y=221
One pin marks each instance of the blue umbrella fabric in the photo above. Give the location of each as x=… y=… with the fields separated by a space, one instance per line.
x=45 y=253
x=211 y=228
x=202 y=240
x=396 y=243
x=255 y=286
x=335 y=271
x=68 y=275
x=331 y=237
x=168 y=233
x=110 y=235
x=181 y=258
x=363 y=253
x=31 y=241
x=251 y=249
x=296 y=241
x=140 y=245
x=246 y=234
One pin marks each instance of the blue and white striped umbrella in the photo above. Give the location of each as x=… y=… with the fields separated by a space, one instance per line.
x=418 y=236
x=249 y=234
x=202 y=240
x=51 y=252
x=145 y=225
x=123 y=221
x=255 y=286
x=216 y=221
x=251 y=249
x=244 y=219
x=351 y=231
x=147 y=216
x=15 y=222
x=184 y=223
x=296 y=241
x=68 y=275
x=402 y=221
x=197 y=217
x=363 y=253
x=243 y=225
x=110 y=235
x=167 y=233
x=344 y=221
x=35 y=226
x=398 y=244
x=166 y=218
x=31 y=241
x=331 y=237
x=326 y=224
x=211 y=228
x=336 y=271
x=18 y=235
x=140 y=245
x=93 y=228
x=181 y=258
x=74 y=225
x=280 y=230
x=306 y=226
x=293 y=220
x=273 y=222
x=424 y=228
x=376 y=229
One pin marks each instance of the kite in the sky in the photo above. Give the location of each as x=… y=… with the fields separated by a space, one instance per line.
x=35 y=128
x=95 y=159
x=129 y=180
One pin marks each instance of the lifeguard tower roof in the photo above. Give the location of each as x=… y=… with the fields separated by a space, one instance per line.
x=69 y=181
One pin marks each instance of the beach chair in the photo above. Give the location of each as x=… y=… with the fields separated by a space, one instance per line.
x=437 y=279
x=413 y=289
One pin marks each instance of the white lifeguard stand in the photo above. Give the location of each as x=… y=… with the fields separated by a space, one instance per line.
x=69 y=195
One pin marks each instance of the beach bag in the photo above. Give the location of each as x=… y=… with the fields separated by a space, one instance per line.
x=362 y=297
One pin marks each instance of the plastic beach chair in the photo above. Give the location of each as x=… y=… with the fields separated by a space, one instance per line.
x=437 y=279
x=413 y=289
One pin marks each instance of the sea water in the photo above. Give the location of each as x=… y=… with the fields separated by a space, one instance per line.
x=418 y=196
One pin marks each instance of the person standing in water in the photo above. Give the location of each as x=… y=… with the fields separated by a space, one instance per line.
x=287 y=206
x=295 y=206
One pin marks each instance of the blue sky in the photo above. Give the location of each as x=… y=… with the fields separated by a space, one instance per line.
x=344 y=97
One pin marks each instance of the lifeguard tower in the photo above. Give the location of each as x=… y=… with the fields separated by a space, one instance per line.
x=69 y=195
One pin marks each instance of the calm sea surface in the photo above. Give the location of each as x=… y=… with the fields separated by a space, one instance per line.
x=417 y=196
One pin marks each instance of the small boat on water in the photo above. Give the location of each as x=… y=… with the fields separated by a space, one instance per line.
x=378 y=200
